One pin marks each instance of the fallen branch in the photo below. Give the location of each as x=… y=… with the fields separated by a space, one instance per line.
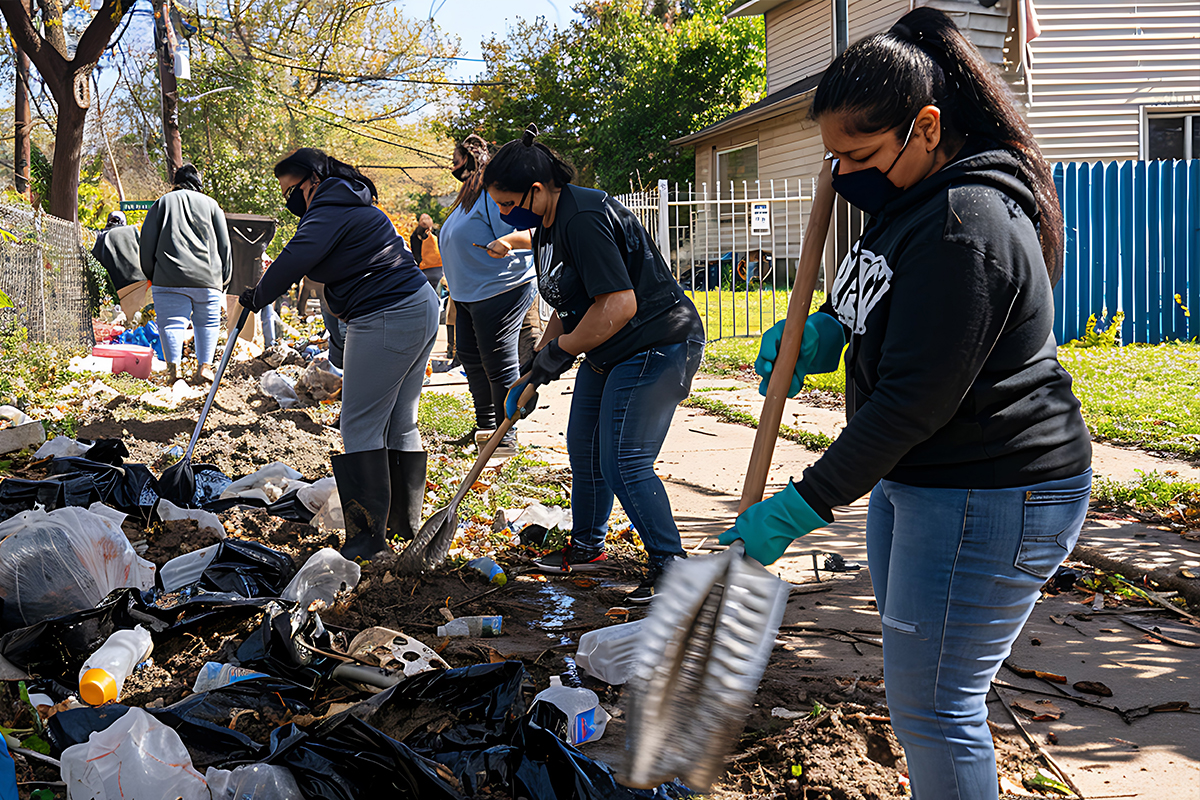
x=1149 y=631
x=1037 y=748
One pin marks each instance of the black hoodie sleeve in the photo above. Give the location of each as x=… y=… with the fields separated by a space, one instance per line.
x=308 y=248
x=950 y=301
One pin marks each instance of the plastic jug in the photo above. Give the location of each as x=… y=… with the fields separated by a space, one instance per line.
x=214 y=675
x=610 y=653
x=104 y=673
x=485 y=627
x=489 y=569
x=585 y=719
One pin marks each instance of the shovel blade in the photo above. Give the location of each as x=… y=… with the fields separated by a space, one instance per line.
x=178 y=484
x=432 y=543
x=705 y=646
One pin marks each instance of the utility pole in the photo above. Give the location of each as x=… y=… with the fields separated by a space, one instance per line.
x=165 y=44
x=23 y=121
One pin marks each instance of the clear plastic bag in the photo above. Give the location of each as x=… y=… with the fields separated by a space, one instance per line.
x=280 y=388
x=267 y=484
x=257 y=781
x=322 y=499
x=135 y=758
x=63 y=561
x=319 y=381
x=325 y=575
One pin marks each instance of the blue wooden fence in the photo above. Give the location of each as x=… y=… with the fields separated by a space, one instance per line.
x=1132 y=244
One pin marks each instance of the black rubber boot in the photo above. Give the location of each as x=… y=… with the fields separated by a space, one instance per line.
x=364 y=487
x=407 y=470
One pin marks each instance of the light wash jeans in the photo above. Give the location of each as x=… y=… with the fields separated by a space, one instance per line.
x=619 y=420
x=956 y=574
x=175 y=306
x=386 y=354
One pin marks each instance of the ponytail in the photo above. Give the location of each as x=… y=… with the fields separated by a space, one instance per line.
x=475 y=150
x=883 y=81
x=311 y=161
x=524 y=162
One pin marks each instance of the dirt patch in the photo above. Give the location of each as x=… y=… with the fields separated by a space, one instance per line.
x=177 y=537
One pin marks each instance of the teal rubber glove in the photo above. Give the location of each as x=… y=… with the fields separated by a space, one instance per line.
x=769 y=526
x=514 y=396
x=820 y=351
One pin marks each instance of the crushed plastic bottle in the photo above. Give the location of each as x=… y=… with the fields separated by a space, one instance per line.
x=257 y=781
x=103 y=675
x=214 y=675
x=489 y=569
x=610 y=653
x=483 y=627
x=585 y=719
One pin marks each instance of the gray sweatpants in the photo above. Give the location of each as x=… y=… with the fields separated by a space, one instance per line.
x=386 y=354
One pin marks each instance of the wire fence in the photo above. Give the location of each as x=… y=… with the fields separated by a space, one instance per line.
x=735 y=251
x=43 y=267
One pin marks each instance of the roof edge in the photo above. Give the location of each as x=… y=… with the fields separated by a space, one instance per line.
x=783 y=101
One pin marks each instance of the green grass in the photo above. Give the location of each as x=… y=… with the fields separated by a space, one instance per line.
x=445 y=415
x=1152 y=491
x=811 y=441
x=740 y=313
x=1148 y=396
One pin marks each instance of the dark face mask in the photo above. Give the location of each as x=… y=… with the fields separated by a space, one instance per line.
x=522 y=218
x=295 y=202
x=464 y=169
x=870 y=189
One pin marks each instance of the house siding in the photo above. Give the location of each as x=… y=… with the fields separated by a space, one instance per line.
x=1097 y=64
x=800 y=41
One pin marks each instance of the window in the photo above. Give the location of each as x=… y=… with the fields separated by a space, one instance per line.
x=735 y=166
x=1172 y=134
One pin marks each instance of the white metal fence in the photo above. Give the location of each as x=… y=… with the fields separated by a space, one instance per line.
x=735 y=252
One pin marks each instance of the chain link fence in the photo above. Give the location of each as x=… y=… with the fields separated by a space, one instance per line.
x=43 y=270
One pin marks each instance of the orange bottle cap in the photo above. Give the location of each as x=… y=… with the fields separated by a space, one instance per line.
x=97 y=687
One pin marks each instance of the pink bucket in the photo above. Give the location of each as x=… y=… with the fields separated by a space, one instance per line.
x=131 y=358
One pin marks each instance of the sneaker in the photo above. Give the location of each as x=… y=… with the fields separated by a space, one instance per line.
x=572 y=559
x=646 y=590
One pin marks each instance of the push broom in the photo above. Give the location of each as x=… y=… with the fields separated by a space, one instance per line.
x=712 y=625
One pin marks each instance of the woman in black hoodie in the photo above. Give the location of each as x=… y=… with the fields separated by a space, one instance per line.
x=372 y=283
x=961 y=423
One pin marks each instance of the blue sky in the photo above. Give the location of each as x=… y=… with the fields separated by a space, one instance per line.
x=475 y=20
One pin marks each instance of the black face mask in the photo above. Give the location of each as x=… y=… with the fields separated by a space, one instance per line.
x=870 y=189
x=295 y=200
x=462 y=172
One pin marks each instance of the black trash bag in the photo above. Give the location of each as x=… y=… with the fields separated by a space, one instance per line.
x=248 y=569
x=272 y=648
x=57 y=647
x=74 y=726
x=108 y=451
x=60 y=491
x=122 y=487
x=290 y=508
x=344 y=758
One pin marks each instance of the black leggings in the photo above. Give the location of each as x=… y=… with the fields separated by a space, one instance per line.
x=486 y=335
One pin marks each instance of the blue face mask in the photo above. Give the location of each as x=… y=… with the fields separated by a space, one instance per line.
x=870 y=189
x=522 y=218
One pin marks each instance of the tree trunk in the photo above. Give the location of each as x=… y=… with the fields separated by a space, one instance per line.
x=24 y=124
x=68 y=143
x=164 y=45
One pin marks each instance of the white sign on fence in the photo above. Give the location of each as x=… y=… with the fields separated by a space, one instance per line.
x=760 y=219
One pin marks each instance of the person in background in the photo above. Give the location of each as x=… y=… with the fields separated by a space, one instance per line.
x=615 y=301
x=371 y=283
x=424 y=244
x=117 y=250
x=185 y=254
x=490 y=274
x=962 y=425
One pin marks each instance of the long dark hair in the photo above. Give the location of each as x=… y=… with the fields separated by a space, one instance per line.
x=524 y=162
x=884 y=80
x=311 y=161
x=475 y=150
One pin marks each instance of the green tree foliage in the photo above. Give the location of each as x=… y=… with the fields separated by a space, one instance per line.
x=611 y=90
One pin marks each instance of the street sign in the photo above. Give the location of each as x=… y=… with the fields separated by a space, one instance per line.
x=136 y=205
x=760 y=219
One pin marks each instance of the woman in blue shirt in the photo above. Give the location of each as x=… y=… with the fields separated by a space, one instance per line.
x=489 y=271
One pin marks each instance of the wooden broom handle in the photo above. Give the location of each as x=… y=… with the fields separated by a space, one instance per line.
x=789 y=346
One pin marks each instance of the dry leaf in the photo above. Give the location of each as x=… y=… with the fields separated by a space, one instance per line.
x=1038 y=710
x=585 y=583
x=1037 y=673
x=1093 y=687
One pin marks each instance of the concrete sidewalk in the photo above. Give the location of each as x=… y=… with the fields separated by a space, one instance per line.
x=703 y=463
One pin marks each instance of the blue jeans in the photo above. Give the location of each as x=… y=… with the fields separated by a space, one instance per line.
x=174 y=306
x=956 y=574
x=619 y=420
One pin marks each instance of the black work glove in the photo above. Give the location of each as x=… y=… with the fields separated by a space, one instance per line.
x=548 y=364
x=247 y=300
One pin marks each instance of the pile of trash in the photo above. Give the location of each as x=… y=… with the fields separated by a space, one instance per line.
x=292 y=707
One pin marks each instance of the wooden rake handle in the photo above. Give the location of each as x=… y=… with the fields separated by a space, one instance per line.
x=493 y=442
x=789 y=346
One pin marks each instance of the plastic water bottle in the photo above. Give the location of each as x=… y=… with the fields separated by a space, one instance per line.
x=104 y=673
x=489 y=569
x=586 y=720
x=484 y=627
x=214 y=675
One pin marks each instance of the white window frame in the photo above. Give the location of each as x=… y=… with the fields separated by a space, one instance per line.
x=716 y=165
x=1190 y=113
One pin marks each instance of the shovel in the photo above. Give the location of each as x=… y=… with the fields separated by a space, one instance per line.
x=712 y=625
x=178 y=481
x=432 y=542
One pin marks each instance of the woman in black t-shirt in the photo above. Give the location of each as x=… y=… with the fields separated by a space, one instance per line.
x=616 y=303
